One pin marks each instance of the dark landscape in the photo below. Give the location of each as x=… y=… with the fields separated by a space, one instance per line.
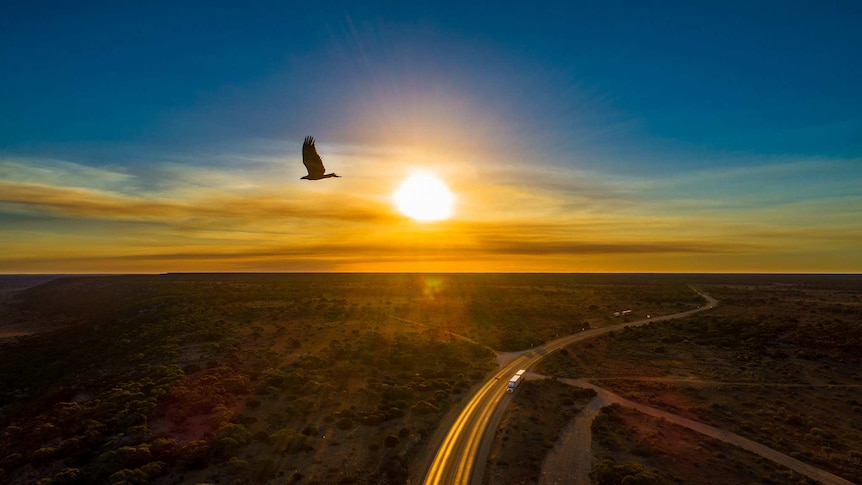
x=349 y=378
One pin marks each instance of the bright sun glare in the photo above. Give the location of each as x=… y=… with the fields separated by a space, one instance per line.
x=425 y=198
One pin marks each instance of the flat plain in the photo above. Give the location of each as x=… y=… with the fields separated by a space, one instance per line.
x=778 y=362
x=346 y=378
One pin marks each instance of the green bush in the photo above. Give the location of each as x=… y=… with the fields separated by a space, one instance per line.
x=344 y=423
x=225 y=448
x=288 y=440
x=43 y=455
x=607 y=472
x=237 y=432
x=263 y=470
x=423 y=407
x=236 y=467
x=134 y=477
x=66 y=476
x=391 y=441
x=195 y=454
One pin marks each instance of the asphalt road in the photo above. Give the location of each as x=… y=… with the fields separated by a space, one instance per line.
x=468 y=440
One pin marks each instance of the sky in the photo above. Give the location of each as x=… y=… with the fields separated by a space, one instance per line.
x=152 y=137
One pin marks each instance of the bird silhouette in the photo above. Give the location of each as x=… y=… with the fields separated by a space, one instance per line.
x=312 y=161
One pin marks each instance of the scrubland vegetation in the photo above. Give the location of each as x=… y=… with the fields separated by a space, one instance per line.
x=154 y=378
x=779 y=362
x=533 y=421
x=645 y=450
x=345 y=378
x=259 y=378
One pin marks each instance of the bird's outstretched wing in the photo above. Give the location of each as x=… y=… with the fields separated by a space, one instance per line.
x=312 y=161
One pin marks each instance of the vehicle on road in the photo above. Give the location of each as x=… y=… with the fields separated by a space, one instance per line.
x=515 y=380
x=455 y=461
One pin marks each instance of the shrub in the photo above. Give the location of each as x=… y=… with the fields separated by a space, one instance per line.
x=165 y=449
x=154 y=469
x=344 y=423
x=225 y=447
x=372 y=419
x=236 y=466
x=393 y=413
x=263 y=470
x=795 y=420
x=237 y=432
x=136 y=477
x=423 y=407
x=195 y=454
x=12 y=461
x=288 y=440
x=390 y=441
x=66 y=476
x=43 y=455
x=608 y=473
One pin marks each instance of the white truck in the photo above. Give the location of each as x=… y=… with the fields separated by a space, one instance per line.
x=515 y=380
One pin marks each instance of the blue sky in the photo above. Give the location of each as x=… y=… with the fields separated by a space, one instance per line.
x=742 y=108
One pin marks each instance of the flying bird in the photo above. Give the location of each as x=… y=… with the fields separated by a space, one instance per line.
x=312 y=161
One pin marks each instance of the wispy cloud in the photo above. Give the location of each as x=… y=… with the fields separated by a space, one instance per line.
x=347 y=253
x=62 y=173
x=257 y=215
x=91 y=203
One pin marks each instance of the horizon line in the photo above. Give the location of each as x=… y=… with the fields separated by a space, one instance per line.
x=170 y=273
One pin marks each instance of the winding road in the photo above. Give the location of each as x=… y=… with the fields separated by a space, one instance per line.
x=468 y=440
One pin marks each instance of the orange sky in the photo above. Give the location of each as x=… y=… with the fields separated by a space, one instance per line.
x=258 y=216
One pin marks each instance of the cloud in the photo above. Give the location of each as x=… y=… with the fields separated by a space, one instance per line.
x=369 y=252
x=251 y=217
x=62 y=173
x=75 y=201
x=228 y=208
x=538 y=248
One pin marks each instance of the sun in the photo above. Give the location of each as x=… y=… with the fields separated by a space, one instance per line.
x=425 y=198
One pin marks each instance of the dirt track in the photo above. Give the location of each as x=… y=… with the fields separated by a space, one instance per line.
x=560 y=466
x=569 y=462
